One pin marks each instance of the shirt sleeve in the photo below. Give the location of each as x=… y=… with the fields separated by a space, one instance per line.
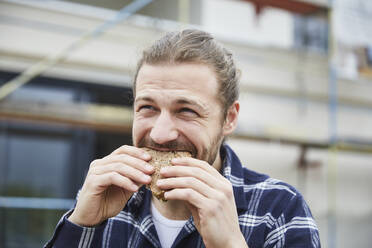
x=295 y=227
x=68 y=234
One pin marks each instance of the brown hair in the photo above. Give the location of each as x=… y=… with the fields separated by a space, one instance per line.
x=197 y=46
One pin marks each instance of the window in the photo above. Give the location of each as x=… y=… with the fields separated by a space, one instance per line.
x=311 y=33
x=42 y=166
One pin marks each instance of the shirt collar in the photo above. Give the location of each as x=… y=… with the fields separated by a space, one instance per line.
x=139 y=205
x=233 y=170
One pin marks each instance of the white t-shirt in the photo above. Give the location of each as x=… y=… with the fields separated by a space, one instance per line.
x=167 y=229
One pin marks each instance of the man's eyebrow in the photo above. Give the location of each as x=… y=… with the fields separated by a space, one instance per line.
x=191 y=102
x=179 y=101
x=144 y=98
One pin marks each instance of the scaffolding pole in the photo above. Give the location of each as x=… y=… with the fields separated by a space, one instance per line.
x=332 y=168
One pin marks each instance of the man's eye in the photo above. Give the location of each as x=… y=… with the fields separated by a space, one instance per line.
x=188 y=111
x=146 y=107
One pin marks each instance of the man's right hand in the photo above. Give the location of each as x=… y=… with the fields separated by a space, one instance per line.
x=109 y=184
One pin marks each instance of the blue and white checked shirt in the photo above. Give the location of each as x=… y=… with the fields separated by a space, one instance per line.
x=271 y=214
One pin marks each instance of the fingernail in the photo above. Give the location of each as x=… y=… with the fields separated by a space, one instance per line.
x=176 y=160
x=146 y=156
x=134 y=187
x=159 y=182
x=146 y=177
x=163 y=170
x=149 y=167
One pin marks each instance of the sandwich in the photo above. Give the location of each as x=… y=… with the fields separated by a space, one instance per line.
x=160 y=159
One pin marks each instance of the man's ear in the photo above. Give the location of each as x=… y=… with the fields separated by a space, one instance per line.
x=231 y=120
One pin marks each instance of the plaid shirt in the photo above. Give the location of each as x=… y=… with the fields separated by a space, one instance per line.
x=271 y=214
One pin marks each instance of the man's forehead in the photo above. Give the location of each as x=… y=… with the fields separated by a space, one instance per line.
x=183 y=82
x=184 y=72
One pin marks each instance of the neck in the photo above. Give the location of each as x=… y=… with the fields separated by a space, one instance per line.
x=217 y=164
x=172 y=209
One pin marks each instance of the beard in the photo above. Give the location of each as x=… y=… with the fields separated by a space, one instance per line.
x=208 y=154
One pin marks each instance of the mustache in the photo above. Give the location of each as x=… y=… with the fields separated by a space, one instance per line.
x=173 y=145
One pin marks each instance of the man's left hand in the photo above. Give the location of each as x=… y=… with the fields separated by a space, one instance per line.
x=210 y=198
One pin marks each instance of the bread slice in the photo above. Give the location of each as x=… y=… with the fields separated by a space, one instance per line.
x=160 y=159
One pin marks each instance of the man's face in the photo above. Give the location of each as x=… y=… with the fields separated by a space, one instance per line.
x=177 y=108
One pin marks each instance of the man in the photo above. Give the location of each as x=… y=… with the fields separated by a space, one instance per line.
x=185 y=99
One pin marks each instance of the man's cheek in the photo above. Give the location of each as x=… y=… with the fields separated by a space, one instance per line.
x=136 y=135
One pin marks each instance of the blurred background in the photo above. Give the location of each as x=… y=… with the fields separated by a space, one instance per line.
x=306 y=100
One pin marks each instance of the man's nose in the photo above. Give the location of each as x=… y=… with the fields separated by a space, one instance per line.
x=164 y=129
